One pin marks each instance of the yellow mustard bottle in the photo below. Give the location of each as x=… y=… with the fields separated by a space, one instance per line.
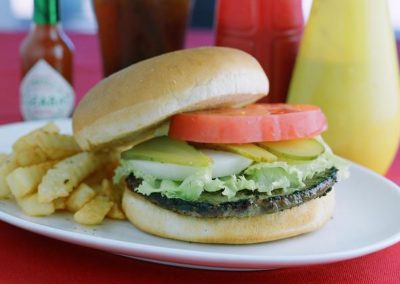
x=348 y=65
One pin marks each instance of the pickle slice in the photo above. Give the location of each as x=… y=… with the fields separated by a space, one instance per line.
x=301 y=149
x=166 y=150
x=250 y=151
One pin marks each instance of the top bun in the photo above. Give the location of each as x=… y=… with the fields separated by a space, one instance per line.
x=137 y=98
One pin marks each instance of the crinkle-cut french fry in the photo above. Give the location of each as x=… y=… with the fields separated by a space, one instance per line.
x=50 y=146
x=43 y=146
x=25 y=180
x=57 y=146
x=109 y=189
x=79 y=197
x=107 y=171
x=116 y=212
x=5 y=168
x=30 y=156
x=29 y=139
x=113 y=192
x=93 y=212
x=105 y=189
x=67 y=174
x=31 y=206
x=3 y=158
x=60 y=203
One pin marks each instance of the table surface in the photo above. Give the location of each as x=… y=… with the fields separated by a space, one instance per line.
x=27 y=257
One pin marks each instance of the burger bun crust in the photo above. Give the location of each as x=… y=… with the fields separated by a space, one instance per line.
x=161 y=222
x=143 y=95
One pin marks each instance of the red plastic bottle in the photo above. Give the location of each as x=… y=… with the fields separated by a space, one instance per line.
x=270 y=30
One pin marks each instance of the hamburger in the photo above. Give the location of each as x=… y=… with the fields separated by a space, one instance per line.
x=202 y=162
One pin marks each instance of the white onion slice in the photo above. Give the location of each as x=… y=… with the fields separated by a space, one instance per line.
x=226 y=163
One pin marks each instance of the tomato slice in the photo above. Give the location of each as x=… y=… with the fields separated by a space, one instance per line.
x=254 y=123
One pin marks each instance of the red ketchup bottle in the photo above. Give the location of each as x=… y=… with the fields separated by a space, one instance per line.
x=270 y=30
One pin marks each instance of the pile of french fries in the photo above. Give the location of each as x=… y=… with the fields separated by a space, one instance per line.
x=47 y=172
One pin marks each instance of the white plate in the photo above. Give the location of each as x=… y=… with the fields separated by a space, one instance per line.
x=366 y=220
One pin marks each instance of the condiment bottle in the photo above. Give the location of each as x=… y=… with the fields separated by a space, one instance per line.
x=270 y=30
x=46 y=61
x=348 y=65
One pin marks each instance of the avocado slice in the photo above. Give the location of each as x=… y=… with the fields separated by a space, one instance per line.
x=166 y=150
x=251 y=151
x=300 y=149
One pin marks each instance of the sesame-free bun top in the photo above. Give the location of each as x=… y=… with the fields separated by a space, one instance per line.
x=141 y=96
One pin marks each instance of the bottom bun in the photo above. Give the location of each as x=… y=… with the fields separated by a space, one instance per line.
x=155 y=220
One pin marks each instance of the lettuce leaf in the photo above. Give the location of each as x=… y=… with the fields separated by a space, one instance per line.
x=281 y=177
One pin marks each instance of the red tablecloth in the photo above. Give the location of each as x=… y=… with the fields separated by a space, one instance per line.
x=27 y=257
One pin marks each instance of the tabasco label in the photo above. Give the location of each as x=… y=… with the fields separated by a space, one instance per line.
x=45 y=94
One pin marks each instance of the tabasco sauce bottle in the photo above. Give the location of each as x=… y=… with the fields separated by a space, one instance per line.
x=46 y=61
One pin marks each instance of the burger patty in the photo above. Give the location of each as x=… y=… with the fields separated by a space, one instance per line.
x=247 y=203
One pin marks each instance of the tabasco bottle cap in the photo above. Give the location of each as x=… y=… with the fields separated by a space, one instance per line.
x=46 y=12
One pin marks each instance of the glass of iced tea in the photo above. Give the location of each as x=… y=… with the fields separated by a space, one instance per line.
x=133 y=30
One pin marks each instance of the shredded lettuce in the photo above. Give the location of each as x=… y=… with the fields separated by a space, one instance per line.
x=285 y=176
